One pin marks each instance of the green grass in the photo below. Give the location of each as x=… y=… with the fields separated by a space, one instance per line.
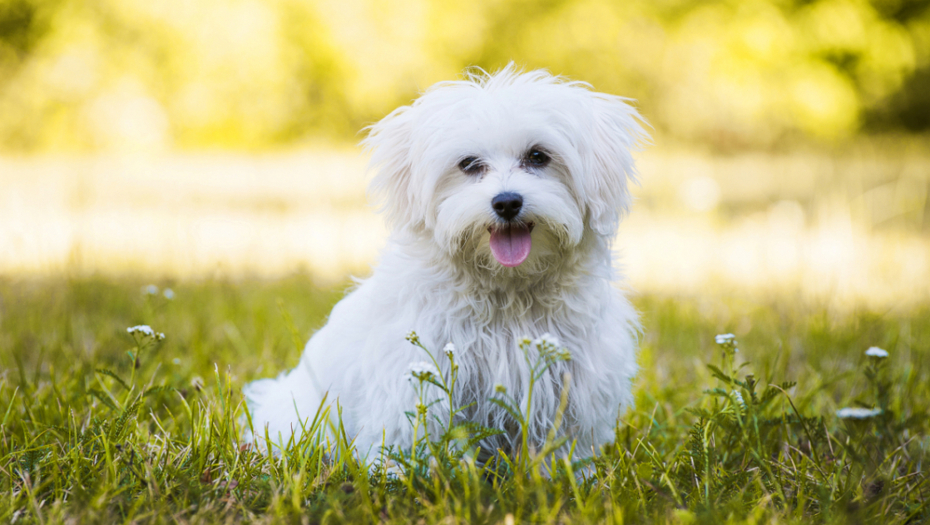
x=77 y=446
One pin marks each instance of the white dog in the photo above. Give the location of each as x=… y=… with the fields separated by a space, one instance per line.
x=503 y=194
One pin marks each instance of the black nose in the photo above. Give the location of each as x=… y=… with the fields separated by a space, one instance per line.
x=507 y=205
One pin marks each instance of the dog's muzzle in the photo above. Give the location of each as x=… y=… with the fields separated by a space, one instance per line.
x=510 y=242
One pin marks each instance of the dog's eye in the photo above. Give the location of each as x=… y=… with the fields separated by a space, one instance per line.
x=471 y=165
x=536 y=158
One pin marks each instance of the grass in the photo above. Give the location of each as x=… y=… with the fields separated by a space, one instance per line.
x=95 y=430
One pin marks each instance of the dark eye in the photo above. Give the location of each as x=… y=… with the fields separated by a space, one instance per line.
x=536 y=158
x=471 y=165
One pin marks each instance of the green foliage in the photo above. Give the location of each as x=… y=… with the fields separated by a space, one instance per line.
x=100 y=426
x=132 y=74
x=457 y=440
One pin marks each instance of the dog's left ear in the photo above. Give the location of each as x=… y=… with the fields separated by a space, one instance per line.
x=618 y=131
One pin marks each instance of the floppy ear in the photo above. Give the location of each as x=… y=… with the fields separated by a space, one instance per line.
x=390 y=142
x=617 y=132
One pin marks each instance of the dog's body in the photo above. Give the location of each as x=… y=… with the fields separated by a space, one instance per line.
x=504 y=193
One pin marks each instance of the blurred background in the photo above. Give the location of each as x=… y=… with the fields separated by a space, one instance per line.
x=187 y=139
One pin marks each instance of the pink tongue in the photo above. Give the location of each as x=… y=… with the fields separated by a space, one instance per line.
x=511 y=245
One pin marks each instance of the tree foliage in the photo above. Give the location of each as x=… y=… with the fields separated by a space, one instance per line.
x=82 y=74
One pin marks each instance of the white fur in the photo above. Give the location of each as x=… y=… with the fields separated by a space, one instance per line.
x=437 y=275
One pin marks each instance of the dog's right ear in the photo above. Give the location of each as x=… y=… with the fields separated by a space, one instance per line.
x=389 y=142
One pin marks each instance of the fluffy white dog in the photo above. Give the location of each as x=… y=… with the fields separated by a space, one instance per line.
x=503 y=193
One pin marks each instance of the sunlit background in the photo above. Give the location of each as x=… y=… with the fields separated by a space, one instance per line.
x=187 y=139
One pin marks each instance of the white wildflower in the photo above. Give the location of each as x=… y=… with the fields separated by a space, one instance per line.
x=726 y=341
x=421 y=371
x=413 y=337
x=546 y=339
x=141 y=329
x=739 y=397
x=857 y=413
x=146 y=331
x=876 y=352
x=150 y=290
x=168 y=293
x=449 y=349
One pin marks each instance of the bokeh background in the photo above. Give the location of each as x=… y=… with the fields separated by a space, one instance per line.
x=182 y=139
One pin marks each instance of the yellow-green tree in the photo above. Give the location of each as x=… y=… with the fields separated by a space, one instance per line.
x=90 y=74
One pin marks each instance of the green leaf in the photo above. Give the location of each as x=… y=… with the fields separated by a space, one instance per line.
x=552 y=446
x=719 y=374
x=103 y=398
x=476 y=432
x=157 y=390
x=514 y=413
x=112 y=374
x=699 y=412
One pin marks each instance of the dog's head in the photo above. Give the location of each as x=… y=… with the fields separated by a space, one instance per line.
x=507 y=170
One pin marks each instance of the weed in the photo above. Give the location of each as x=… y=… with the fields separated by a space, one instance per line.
x=97 y=425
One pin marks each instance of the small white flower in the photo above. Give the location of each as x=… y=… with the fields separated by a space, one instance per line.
x=168 y=293
x=449 y=349
x=876 y=352
x=413 y=337
x=857 y=413
x=726 y=341
x=546 y=339
x=421 y=371
x=141 y=329
x=147 y=331
x=739 y=397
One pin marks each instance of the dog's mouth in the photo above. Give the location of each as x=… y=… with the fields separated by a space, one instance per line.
x=511 y=243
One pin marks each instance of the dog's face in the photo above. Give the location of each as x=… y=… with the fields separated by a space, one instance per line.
x=507 y=171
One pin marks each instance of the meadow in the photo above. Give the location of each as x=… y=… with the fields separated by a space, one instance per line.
x=100 y=425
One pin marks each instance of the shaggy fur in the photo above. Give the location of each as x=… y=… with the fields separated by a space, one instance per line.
x=438 y=275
